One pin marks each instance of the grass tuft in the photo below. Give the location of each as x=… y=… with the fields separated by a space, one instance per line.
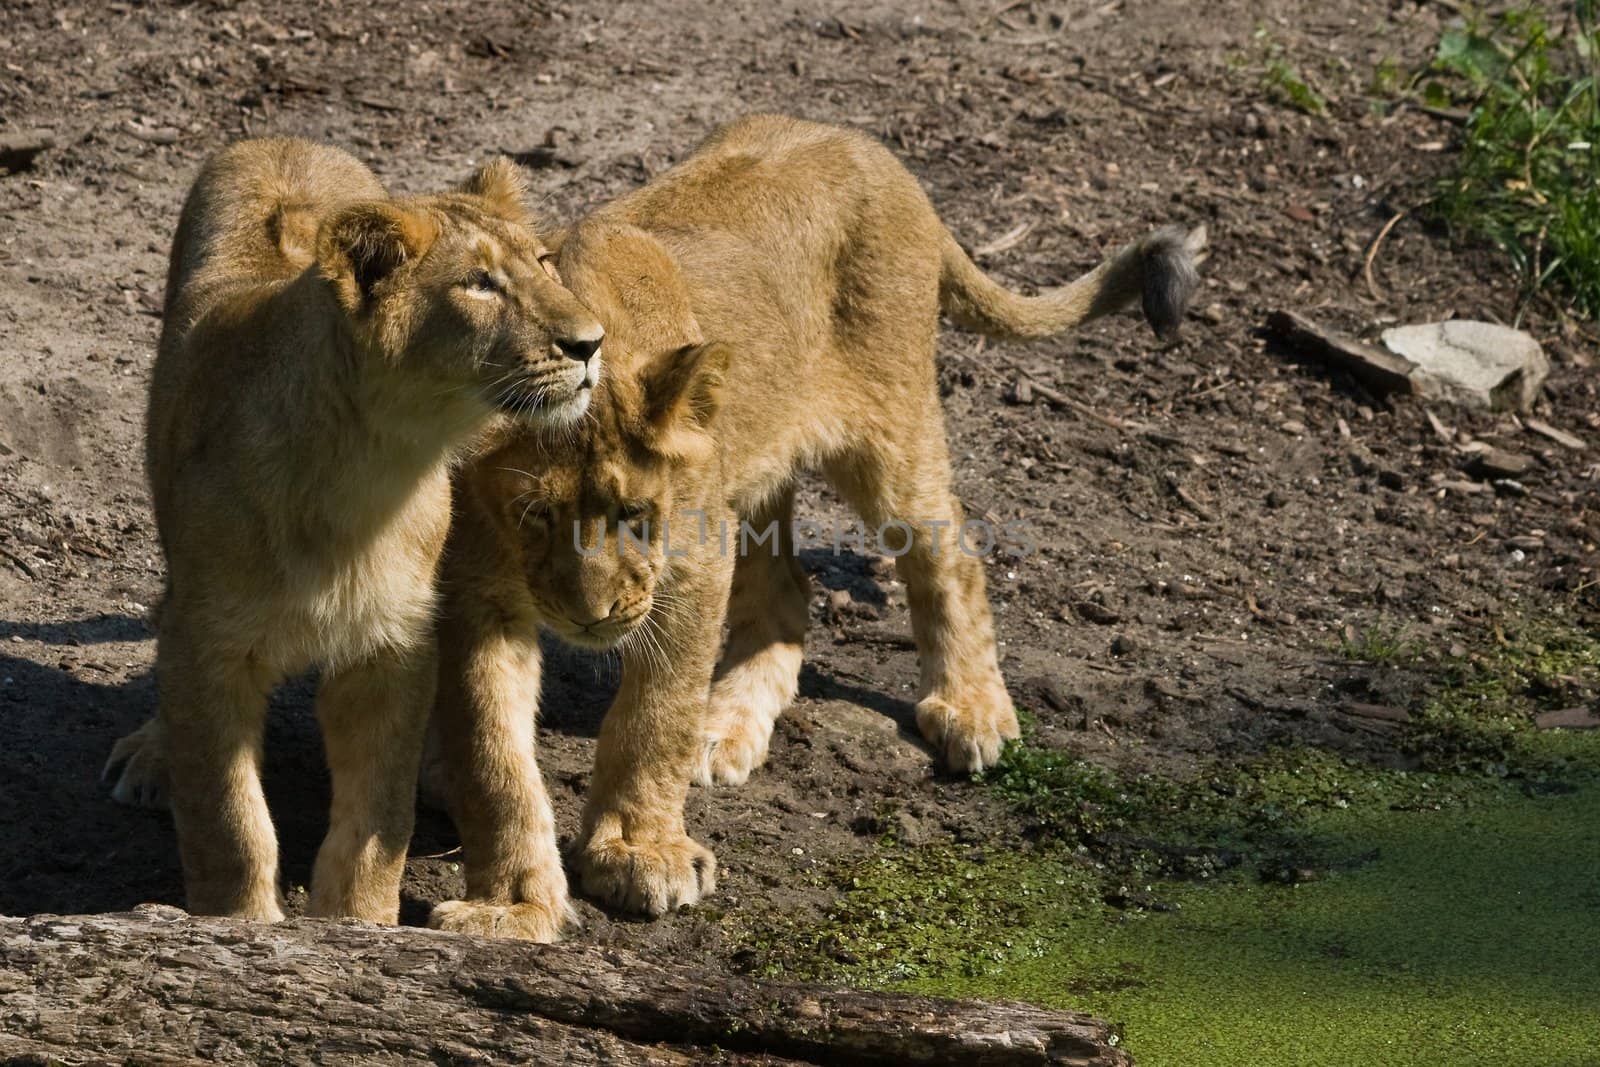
x=1479 y=718
x=1284 y=81
x=1528 y=179
x=1379 y=644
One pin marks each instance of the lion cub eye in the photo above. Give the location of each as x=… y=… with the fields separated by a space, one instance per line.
x=481 y=281
x=633 y=512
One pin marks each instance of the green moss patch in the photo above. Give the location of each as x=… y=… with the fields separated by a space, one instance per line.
x=1298 y=909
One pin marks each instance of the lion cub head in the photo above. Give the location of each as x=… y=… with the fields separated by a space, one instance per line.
x=459 y=290
x=602 y=519
x=603 y=512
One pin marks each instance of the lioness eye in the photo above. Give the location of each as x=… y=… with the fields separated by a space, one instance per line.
x=633 y=512
x=482 y=281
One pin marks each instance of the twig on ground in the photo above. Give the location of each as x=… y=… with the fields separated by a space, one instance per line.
x=21 y=563
x=1372 y=254
x=1560 y=437
x=1058 y=400
x=1010 y=239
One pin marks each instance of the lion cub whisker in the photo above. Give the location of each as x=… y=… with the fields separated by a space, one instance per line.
x=771 y=305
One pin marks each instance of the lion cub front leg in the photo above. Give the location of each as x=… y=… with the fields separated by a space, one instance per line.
x=212 y=714
x=373 y=715
x=633 y=851
x=485 y=717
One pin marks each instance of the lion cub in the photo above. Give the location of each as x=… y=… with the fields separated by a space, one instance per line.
x=771 y=304
x=325 y=351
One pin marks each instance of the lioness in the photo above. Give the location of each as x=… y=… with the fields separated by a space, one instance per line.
x=770 y=305
x=324 y=351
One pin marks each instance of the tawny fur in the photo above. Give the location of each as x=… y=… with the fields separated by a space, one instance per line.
x=771 y=305
x=325 y=352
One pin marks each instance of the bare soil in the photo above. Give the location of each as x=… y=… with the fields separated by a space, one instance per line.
x=1202 y=553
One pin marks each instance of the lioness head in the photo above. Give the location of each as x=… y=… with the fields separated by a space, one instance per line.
x=602 y=518
x=459 y=290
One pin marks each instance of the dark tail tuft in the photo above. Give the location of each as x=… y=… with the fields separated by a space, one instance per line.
x=1171 y=257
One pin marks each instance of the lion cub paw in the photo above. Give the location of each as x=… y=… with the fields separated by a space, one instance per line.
x=652 y=877
x=970 y=741
x=730 y=754
x=142 y=755
x=542 y=921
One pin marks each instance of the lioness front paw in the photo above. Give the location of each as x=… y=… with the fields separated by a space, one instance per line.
x=142 y=755
x=545 y=921
x=730 y=754
x=970 y=741
x=652 y=876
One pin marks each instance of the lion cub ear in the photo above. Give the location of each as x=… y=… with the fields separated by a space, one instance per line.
x=503 y=188
x=361 y=245
x=682 y=391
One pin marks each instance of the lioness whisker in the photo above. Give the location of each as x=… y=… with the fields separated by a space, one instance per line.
x=352 y=374
x=715 y=410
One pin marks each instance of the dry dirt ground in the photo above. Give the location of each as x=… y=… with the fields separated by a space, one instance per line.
x=1198 y=561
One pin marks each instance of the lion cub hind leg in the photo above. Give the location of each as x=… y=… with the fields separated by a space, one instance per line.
x=963 y=708
x=484 y=718
x=142 y=757
x=373 y=716
x=760 y=670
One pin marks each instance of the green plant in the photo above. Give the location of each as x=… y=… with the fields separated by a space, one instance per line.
x=1528 y=179
x=1379 y=644
x=1281 y=79
x=1387 y=77
x=1286 y=82
x=1478 y=719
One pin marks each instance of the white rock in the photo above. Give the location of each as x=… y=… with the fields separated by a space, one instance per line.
x=1478 y=363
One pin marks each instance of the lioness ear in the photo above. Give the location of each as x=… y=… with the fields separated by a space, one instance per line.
x=361 y=245
x=502 y=186
x=682 y=391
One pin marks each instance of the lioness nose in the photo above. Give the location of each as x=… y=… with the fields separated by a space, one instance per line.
x=579 y=348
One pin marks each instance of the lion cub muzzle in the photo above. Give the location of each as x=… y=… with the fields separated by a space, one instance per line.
x=610 y=629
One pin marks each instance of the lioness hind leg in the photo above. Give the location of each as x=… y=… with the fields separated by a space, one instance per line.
x=963 y=709
x=142 y=757
x=759 y=673
x=484 y=719
x=213 y=712
x=373 y=718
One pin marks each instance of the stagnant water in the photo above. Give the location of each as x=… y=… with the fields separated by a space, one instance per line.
x=1473 y=937
x=1442 y=934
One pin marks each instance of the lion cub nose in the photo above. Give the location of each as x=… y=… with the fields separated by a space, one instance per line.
x=597 y=620
x=581 y=349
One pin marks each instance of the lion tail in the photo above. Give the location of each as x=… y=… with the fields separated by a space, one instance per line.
x=1159 y=271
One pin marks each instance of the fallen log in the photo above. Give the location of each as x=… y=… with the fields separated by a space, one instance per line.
x=1382 y=372
x=154 y=986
